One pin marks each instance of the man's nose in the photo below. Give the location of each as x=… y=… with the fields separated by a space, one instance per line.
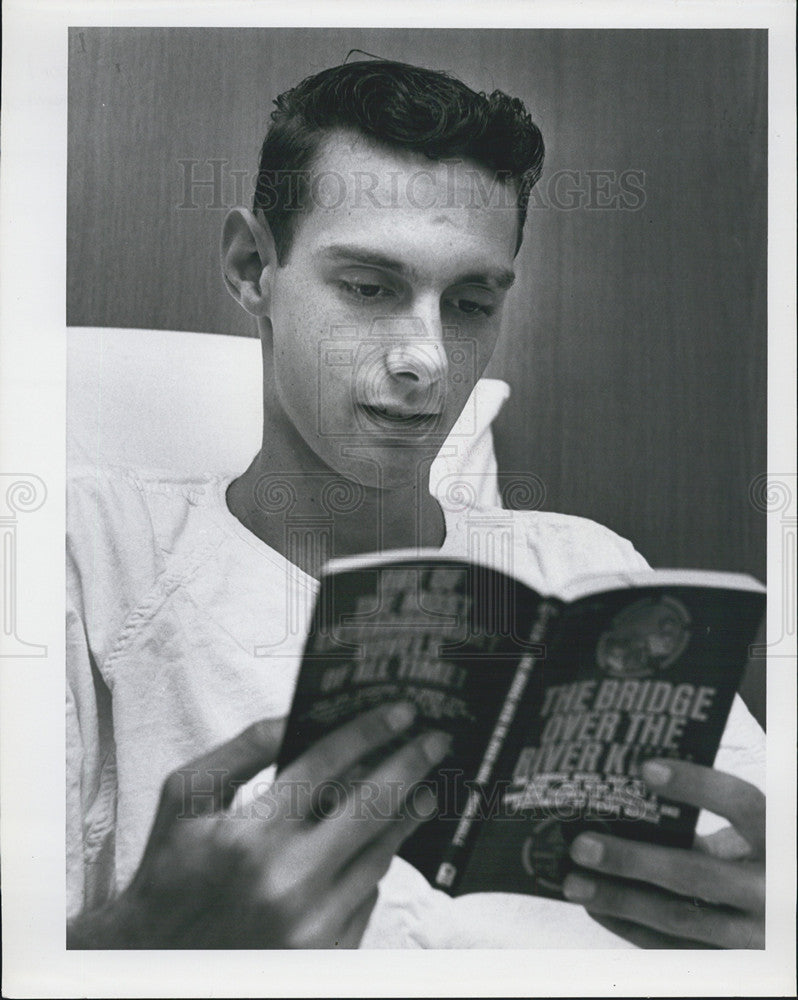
x=415 y=353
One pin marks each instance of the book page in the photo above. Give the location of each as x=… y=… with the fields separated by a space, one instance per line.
x=583 y=586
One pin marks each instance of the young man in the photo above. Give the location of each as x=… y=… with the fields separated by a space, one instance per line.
x=376 y=259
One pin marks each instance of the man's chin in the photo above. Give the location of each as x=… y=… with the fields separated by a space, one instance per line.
x=388 y=466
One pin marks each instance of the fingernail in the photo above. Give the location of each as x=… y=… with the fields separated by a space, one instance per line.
x=587 y=851
x=579 y=888
x=435 y=745
x=400 y=715
x=656 y=773
x=424 y=804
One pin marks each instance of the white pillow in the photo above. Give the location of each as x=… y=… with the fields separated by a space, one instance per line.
x=191 y=403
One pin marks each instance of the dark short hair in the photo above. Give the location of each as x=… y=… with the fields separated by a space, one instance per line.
x=401 y=106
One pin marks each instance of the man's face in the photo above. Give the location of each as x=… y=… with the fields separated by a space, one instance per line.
x=388 y=307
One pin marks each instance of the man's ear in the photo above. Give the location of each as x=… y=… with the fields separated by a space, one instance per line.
x=248 y=259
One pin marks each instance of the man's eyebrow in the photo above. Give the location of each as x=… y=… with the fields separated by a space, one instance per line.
x=501 y=277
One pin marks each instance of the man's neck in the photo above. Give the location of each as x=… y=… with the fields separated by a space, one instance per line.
x=309 y=513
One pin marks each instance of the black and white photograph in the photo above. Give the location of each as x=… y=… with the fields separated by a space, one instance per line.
x=412 y=402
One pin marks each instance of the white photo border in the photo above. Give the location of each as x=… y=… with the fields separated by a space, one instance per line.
x=32 y=408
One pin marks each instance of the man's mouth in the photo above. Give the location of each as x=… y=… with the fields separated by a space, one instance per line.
x=387 y=418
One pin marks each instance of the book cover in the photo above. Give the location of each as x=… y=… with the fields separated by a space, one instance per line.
x=552 y=704
x=627 y=675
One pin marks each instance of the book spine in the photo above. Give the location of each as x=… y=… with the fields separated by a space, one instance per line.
x=455 y=854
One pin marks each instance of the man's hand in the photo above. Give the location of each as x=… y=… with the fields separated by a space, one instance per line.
x=662 y=897
x=292 y=876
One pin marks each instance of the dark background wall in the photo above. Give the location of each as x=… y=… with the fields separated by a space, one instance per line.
x=636 y=335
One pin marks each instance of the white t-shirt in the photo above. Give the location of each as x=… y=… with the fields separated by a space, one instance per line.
x=183 y=628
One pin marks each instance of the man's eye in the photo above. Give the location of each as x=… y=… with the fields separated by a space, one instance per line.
x=365 y=290
x=471 y=307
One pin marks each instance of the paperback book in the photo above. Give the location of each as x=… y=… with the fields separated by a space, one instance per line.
x=553 y=703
